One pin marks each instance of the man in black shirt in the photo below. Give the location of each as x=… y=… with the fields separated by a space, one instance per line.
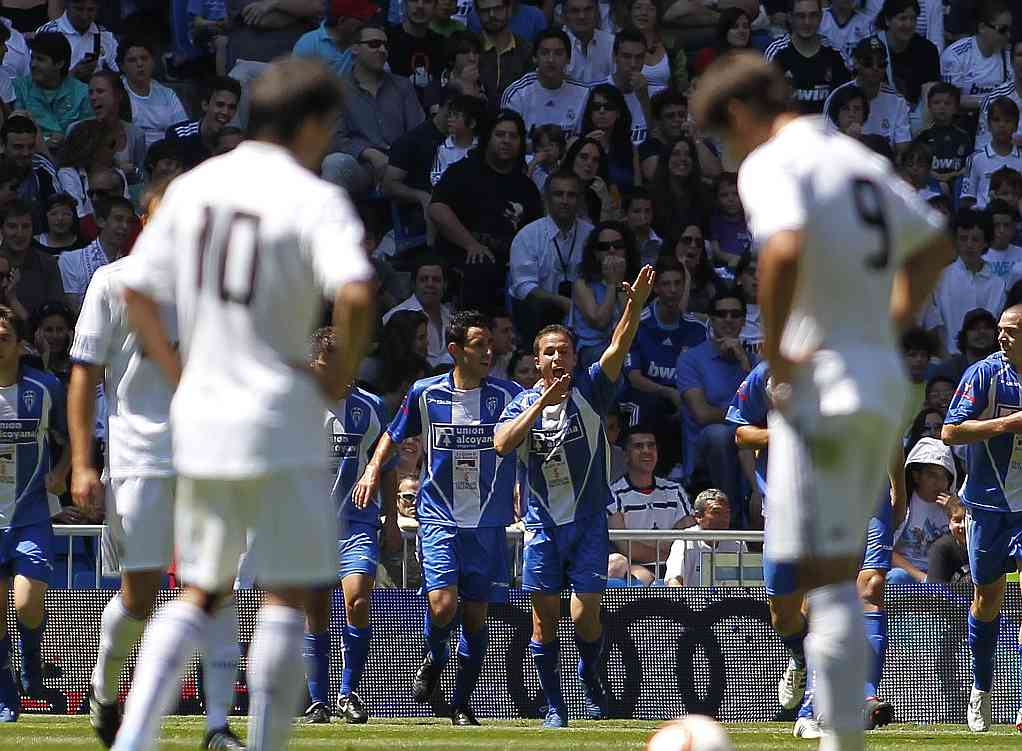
x=196 y=139
x=35 y=175
x=480 y=204
x=414 y=50
x=812 y=67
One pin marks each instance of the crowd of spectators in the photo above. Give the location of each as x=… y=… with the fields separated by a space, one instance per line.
x=525 y=159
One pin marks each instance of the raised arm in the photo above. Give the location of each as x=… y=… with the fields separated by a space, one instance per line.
x=636 y=295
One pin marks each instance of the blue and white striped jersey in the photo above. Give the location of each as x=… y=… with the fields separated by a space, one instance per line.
x=566 y=456
x=989 y=389
x=352 y=429
x=30 y=409
x=464 y=482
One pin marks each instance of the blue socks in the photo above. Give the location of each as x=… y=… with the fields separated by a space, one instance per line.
x=795 y=643
x=356 y=653
x=471 y=650
x=982 y=644
x=316 y=653
x=547 y=660
x=807 y=709
x=9 y=696
x=876 y=635
x=589 y=654
x=437 y=638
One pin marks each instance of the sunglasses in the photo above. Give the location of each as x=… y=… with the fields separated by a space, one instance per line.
x=605 y=245
x=1002 y=30
x=374 y=44
x=734 y=315
x=604 y=107
x=406 y=497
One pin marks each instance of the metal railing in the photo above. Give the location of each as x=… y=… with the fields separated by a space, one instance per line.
x=71 y=531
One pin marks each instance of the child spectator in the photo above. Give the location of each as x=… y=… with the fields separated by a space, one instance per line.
x=914 y=165
x=548 y=146
x=1006 y=185
x=464 y=117
x=1002 y=256
x=1003 y=117
x=523 y=368
x=729 y=233
x=949 y=144
x=638 y=206
x=61 y=225
x=848 y=110
x=948 y=557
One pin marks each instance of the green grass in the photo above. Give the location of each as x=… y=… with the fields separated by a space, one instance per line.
x=41 y=733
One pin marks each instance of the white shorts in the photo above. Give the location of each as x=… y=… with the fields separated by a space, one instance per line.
x=823 y=489
x=291 y=518
x=139 y=533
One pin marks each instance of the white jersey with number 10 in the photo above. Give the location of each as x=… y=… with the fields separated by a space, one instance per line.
x=248 y=245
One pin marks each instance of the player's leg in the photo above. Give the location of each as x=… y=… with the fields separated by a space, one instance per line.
x=32 y=569
x=870 y=584
x=316 y=654
x=789 y=621
x=356 y=638
x=10 y=699
x=440 y=575
x=543 y=569
x=590 y=546
x=220 y=657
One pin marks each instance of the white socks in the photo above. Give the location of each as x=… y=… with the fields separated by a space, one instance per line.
x=118 y=633
x=220 y=664
x=276 y=676
x=836 y=647
x=176 y=632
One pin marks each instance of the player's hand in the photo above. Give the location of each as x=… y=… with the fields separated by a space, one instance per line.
x=391 y=537
x=86 y=489
x=479 y=253
x=557 y=391
x=639 y=290
x=366 y=487
x=613 y=270
x=56 y=484
x=945 y=500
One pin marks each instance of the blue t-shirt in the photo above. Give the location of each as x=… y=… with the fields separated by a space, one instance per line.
x=565 y=458
x=732 y=235
x=353 y=428
x=989 y=389
x=31 y=410
x=658 y=346
x=750 y=407
x=464 y=482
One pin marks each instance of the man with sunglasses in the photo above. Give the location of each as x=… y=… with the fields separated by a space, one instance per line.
x=888 y=110
x=980 y=63
x=1012 y=88
x=379 y=107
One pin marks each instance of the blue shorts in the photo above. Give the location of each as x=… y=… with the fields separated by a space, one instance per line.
x=358 y=549
x=879 y=544
x=572 y=554
x=475 y=560
x=27 y=551
x=779 y=578
x=994 y=540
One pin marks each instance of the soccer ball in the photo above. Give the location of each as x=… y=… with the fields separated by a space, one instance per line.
x=692 y=733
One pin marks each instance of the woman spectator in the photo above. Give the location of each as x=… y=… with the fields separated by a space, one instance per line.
x=61 y=225
x=405 y=333
x=690 y=250
x=734 y=32
x=647 y=16
x=606 y=118
x=927 y=424
x=90 y=147
x=978 y=64
x=109 y=100
x=599 y=202
x=849 y=110
x=523 y=368
x=463 y=50
x=678 y=188
x=154 y=107
x=52 y=326
x=913 y=62
x=609 y=257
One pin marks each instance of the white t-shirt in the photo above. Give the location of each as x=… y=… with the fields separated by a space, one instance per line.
x=888 y=114
x=923 y=525
x=137 y=395
x=686 y=559
x=640 y=131
x=156 y=112
x=539 y=105
x=658 y=507
x=248 y=269
x=844 y=38
x=860 y=223
x=1008 y=89
x=963 y=65
x=1002 y=262
x=982 y=165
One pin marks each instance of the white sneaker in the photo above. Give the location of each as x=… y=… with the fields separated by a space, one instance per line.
x=1018 y=720
x=792 y=686
x=979 y=711
x=807 y=727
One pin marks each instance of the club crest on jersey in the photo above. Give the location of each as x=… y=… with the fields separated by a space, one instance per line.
x=491 y=404
x=356 y=414
x=29 y=399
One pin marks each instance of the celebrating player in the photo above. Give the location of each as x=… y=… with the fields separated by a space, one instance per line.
x=32 y=408
x=352 y=427
x=246 y=246
x=847 y=254
x=986 y=416
x=465 y=502
x=559 y=431
x=140 y=501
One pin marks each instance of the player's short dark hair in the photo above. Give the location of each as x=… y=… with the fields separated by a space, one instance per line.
x=472 y=107
x=20 y=125
x=53 y=308
x=323 y=341
x=62 y=199
x=427 y=258
x=997 y=206
x=918 y=339
x=970 y=219
x=842 y=97
x=460 y=42
x=55 y=46
x=134 y=40
x=552 y=33
x=791 y=4
x=669 y=263
x=943 y=87
x=664 y=99
x=103 y=206
x=553 y=328
x=1005 y=107
x=165 y=148
x=221 y=83
x=743 y=77
x=551 y=132
x=561 y=174
x=290 y=92
x=628 y=34
x=892 y=8
x=461 y=322
x=633 y=195
x=729 y=292
x=1004 y=175
x=643 y=427
x=505 y=115
x=19 y=207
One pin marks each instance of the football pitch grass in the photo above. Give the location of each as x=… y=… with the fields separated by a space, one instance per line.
x=48 y=733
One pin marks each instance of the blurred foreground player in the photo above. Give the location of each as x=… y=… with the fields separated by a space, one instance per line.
x=139 y=500
x=847 y=254
x=247 y=245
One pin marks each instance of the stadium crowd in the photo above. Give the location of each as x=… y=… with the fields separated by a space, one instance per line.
x=524 y=160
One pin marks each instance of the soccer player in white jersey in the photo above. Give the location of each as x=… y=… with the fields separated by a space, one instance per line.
x=352 y=428
x=466 y=500
x=558 y=430
x=847 y=255
x=139 y=498
x=247 y=245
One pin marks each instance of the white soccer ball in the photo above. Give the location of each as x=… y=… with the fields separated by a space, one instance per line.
x=692 y=733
